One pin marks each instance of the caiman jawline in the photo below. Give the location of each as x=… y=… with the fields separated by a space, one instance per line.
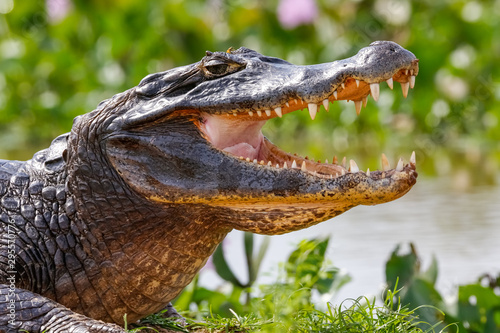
x=239 y=133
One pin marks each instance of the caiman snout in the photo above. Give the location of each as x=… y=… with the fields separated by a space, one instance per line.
x=229 y=96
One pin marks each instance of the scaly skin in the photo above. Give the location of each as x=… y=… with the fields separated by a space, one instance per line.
x=119 y=215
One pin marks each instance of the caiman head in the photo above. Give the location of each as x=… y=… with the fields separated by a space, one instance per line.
x=192 y=135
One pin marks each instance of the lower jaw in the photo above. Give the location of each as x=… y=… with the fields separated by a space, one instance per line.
x=242 y=138
x=269 y=154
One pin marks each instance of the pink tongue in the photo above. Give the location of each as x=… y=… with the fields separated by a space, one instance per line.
x=243 y=149
x=238 y=137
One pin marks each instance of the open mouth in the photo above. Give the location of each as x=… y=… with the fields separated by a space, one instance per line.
x=238 y=133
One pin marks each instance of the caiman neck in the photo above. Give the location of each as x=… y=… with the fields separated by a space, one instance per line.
x=147 y=252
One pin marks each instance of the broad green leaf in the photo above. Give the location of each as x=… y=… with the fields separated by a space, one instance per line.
x=260 y=255
x=402 y=268
x=248 y=240
x=431 y=274
x=222 y=268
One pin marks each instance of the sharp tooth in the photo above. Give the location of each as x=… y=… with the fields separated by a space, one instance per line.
x=247 y=159
x=303 y=167
x=412 y=81
x=278 y=112
x=326 y=161
x=250 y=113
x=404 y=87
x=357 y=105
x=268 y=112
x=313 y=109
x=399 y=167
x=287 y=104
x=235 y=114
x=343 y=172
x=259 y=113
x=343 y=85
x=365 y=101
x=406 y=72
x=390 y=83
x=285 y=166
x=294 y=164
x=353 y=167
x=255 y=160
x=335 y=94
x=296 y=101
x=344 y=161
x=326 y=104
x=357 y=83
x=412 y=158
x=277 y=166
x=269 y=163
x=385 y=163
x=242 y=158
x=375 y=91
x=368 y=172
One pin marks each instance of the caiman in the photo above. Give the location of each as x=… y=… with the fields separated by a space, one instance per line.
x=117 y=216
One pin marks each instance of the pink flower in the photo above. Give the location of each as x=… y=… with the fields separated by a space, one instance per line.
x=292 y=13
x=57 y=9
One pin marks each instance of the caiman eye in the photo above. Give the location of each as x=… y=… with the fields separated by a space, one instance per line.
x=215 y=66
x=217 y=69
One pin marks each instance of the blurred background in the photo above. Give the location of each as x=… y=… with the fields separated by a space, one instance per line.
x=60 y=58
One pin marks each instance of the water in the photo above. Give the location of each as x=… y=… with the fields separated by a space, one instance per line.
x=461 y=228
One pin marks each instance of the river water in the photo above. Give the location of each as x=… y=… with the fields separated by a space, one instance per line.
x=460 y=228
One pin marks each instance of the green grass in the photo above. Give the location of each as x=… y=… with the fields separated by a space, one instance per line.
x=363 y=315
x=352 y=315
x=238 y=323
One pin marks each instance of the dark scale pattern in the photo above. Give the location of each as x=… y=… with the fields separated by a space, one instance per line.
x=49 y=257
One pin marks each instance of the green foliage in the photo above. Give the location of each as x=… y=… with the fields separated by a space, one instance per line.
x=306 y=273
x=203 y=300
x=158 y=320
x=476 y=309
x=288 y=305
x=479 y=308
x=363 y=315
x=253 y=262
x=418 y=287
x=238 y=323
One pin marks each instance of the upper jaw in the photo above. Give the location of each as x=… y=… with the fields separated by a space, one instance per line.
x=237 y=132
x=267 y=90
x=344 y=86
